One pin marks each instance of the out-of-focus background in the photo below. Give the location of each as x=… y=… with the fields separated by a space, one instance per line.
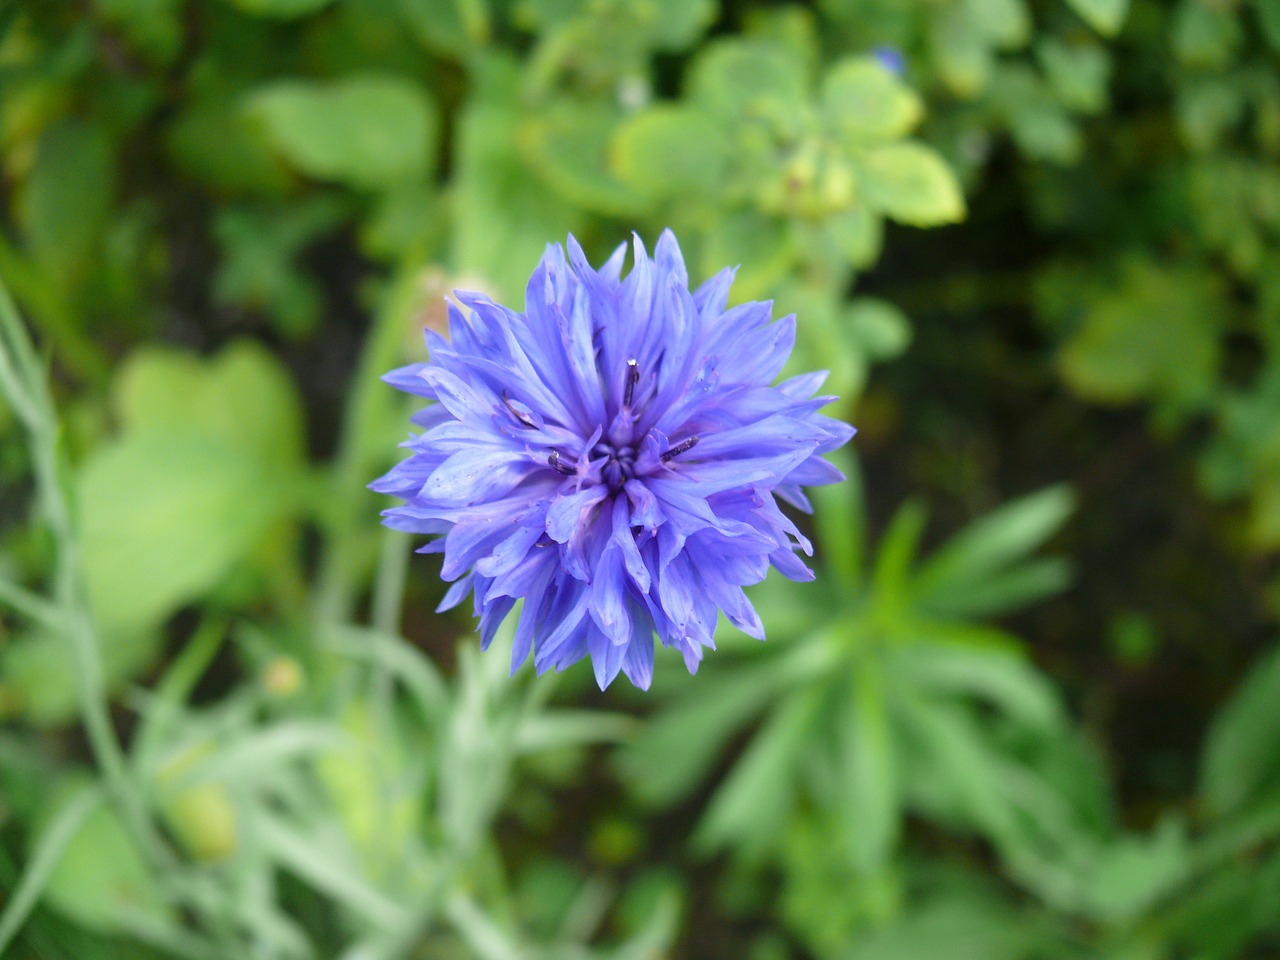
x=1029 y=710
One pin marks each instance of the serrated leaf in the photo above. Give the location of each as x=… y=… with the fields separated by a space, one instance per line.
x=910 y=183
x=670 y=151
x=367 y=131
x=1242 y=752
x=1105 y=16
x=864 y=101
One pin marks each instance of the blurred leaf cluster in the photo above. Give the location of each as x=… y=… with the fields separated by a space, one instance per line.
x=232 y=730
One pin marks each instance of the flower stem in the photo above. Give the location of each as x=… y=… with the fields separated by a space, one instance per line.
x=22 y=381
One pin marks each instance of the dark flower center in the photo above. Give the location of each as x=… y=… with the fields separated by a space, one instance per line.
x=617 y=451
x=620 y=465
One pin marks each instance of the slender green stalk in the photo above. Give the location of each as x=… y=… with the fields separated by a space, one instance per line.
x=388 y=587
x=29 y=604
x=371 y=408
x=22 y=379
x=44 y=859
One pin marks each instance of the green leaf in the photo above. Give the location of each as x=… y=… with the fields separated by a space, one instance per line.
x=101 y=881
x=1268 y=16
x=567 y=145
x=910 y=183
x=759 y=245
x=871 y=805
x=449 y=27
x=675 y=24
x=1079 y=73
x=216 y=143
x=1105 y=16
x=153 y=27
x=35 y=671
x=1206 y=37
x=209 y=459
x=879 y=326
x=1242 y=753
x=503 y=215
x=322 y=866
x=987 y=548
x=64 y=203
x=858 y=234
x=1134 y=873
x=43 y=860
x=677 y=748
x=260 y=249
x=671 y=151
x=760 y=788
x=281 y=9
x=243 y=397
x=1155 y=336
x=1041 y=125
x=961 y=926
x=891 y=576
x=864 y=101
x=367 y=131
x=998 y=677
x=164 y=517
x=1005 y=24
x=735 y=78
x=956 y=773
x=962 y=56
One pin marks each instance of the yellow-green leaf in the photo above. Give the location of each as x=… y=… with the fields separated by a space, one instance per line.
x=910 y=183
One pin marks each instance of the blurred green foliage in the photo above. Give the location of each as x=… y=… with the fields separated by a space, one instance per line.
x=231 y=731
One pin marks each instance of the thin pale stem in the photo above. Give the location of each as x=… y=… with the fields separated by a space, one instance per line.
x=23 y=381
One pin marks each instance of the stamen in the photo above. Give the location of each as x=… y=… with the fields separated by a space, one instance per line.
x=633 y=377
x=681 y=447
x=555 y=463
x=523 y=418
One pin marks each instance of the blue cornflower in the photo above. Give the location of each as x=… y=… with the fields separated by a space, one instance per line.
x=891 y=59
x=611 y=457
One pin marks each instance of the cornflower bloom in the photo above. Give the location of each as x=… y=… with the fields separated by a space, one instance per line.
x=611 y=457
